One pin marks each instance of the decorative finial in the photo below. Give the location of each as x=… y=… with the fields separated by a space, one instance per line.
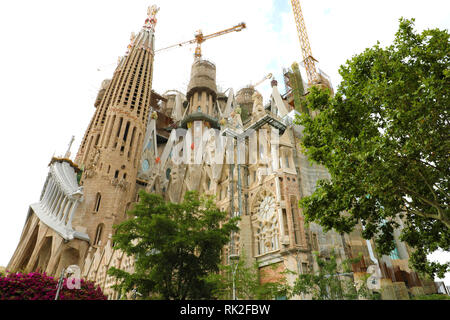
x=151 y=20
x=67 y=155
x=132 y=38
x=149 y=25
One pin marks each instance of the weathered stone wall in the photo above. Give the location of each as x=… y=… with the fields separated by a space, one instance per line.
x=42 y=249
x=272 y=273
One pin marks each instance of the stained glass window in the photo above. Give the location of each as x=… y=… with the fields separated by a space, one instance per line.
x=145 y=165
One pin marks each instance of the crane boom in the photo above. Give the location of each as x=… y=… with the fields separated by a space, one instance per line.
x=177 y=45
x=200 y=38
x=236 y=28
x=262 y=80
x=308 y=60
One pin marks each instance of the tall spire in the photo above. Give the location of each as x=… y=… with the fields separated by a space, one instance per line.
x=129 y=88
x=145 y=38
x=112 y=152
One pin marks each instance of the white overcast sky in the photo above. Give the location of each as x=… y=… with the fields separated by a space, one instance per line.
x=54 y=55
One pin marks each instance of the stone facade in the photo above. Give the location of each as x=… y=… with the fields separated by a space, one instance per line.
x=72 y=227
x=131 y=144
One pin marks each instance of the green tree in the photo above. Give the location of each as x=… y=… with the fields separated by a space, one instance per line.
x=332 y=282
x=385 y=140
x=175 y=246
x=247 y=282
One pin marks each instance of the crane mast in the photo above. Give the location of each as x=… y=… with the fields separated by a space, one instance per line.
x=308 y=59
x=200 y=38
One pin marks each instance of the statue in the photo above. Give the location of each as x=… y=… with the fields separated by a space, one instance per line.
x=235 y=118
x=96 y=157
x=91 y=167
x=258 y=108
x=132 y=37
x=122 y=184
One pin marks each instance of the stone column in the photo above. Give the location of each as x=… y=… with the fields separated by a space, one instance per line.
x=59 y=205
x=49 y=196
x=136 y=149
x=71 y=214
x=48 y=190
x=62 y=208
x=53 y=198
x=66 y=211
x=280 y=211
x=55 y=204
x=104 y=130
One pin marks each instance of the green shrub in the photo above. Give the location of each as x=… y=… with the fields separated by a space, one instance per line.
x=435 y=296
x=38 y=286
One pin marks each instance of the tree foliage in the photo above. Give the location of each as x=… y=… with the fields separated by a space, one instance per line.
x=385 y=140
x=435 y=296
x=247 y=282
x=174 y=245
x=330 y=283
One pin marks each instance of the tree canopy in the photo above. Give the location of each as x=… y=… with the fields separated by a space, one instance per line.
x=333 y=281
x=175 y=245
x=385 y=140
x=247 y=282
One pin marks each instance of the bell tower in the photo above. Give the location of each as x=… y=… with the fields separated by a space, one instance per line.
x=202 y=89
x=109 y=153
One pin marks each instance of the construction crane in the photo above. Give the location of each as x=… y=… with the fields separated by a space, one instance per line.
x=200 y=38
x=308 y=60
x=261 y=81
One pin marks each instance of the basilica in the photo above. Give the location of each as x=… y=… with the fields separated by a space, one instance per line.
x=227 y=144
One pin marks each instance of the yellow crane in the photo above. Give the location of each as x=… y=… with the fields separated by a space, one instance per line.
x=308 y=60
x=200 y=38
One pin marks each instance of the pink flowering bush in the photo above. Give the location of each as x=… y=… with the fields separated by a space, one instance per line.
x=38 y=286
